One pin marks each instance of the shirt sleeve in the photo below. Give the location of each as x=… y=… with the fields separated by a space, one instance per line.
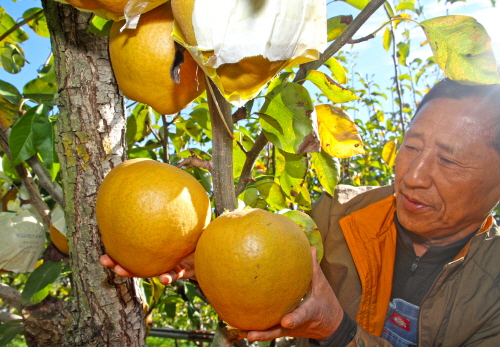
x=341 y=337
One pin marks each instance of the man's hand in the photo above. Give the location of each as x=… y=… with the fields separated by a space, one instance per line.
x=317 y=317
x=185 y=269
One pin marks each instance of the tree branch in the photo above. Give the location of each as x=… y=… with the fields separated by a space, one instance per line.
x=45 y=179
x=396 y=81
x=194 y=161
x=252 y=155
x=222 y=150
x=11 y=296
x=6 y=316
x=20 y=24
x=361 y=39
x=35 y=198
x=344 y=38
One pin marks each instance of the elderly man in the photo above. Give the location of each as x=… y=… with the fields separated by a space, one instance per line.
x=417 y=263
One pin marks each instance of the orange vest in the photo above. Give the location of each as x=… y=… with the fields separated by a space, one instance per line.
x=370 y=234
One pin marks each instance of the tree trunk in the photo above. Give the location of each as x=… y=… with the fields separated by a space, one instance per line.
x=90 y=140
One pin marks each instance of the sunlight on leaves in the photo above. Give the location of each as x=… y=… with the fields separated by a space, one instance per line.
x=284 y=116
x=337 y=70
x=462 y=49
x=307 y=224
x=327 y=170
x=389 y=153
x=339 y=135
x=332 y=90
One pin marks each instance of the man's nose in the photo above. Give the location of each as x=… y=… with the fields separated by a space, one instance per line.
x=419 y=174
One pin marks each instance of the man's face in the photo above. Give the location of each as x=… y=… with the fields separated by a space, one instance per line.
x=447 y=172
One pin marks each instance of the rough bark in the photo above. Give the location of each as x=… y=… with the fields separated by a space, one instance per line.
x=90 y=140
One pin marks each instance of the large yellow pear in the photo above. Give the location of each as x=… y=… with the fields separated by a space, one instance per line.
x=107 y=8
x=59 y=240
x=254 y=267
x=150 y=215
x=142 y=58
x=242 y=77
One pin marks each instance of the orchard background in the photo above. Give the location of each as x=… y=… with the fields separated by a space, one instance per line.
x=65 y=125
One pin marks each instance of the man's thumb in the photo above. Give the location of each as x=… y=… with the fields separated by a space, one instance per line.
x=294 y=319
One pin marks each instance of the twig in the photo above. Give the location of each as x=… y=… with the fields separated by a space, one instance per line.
x=6 y=316
x=20 y=24
x=11 y=296
x=35 y=198
x=396 y=81
x=239 y=114
x=252 y=155
x=362 y=39
x=165 y=138
x=194 y=161
x=241 y=146
x=45 y=181
x=347 y=35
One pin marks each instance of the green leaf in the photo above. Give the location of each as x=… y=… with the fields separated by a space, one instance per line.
x=337 y=70
x=276 y=197
x=11 y=56
x=99 y=26
x=43 y=89
x=406 y=5
x=39 y=24
x=21 y=138
x=201 y=116
x=403 y=52
x=462 y=49
x=284 y=117
x=6 y=23
x=43 y=136
x=387 y=39
x=389 y=6
x=9 y=113
x=138 y=123
x=327 y=170
x=359 y=4
x=304 y=199
x=307 y=224
x=333 y=91
x=9 y=331
x=291 y=170
x=204 y=177
x=41 y=277
x=336 y=26
x=10 y=92
x=9 y=170
x=139 y=152
x=239 y=157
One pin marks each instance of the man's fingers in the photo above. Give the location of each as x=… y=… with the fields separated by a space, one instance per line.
x=269 y=334
x=107 y=261
x=123 y=272
x=296 y=318
x=172 y=275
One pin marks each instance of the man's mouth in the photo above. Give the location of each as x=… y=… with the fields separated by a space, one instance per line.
x=413 y=204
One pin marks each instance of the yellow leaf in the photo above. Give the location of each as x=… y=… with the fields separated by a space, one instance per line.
x=402 y=15
x=389 y=153
x=339 y=136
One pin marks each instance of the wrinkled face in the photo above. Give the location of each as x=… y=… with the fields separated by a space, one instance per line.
x=447 y=172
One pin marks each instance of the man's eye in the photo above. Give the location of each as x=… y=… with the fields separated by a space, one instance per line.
x=446 y=160
x=411 y=148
